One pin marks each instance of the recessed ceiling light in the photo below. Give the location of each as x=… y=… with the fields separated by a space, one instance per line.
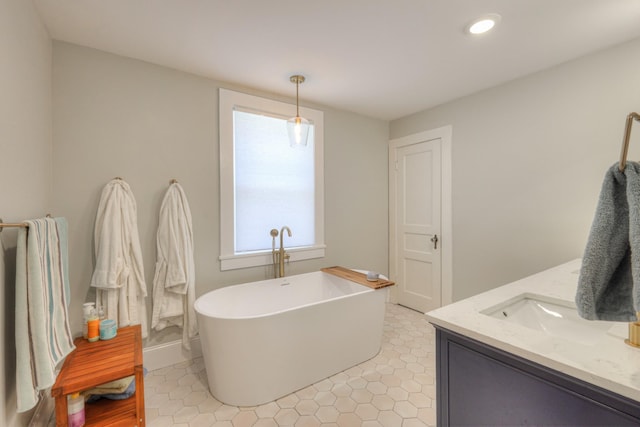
x=483 y=24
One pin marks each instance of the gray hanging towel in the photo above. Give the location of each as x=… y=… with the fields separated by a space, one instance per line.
x=609 y=282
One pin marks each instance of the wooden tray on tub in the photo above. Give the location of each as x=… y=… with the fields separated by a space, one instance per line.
x=357 y=277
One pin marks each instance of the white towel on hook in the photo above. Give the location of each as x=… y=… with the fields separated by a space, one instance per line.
x=174 y=279
x=43 y=335
x=119 y=272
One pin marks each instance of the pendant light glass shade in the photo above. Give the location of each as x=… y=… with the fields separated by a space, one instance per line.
x=297 y=127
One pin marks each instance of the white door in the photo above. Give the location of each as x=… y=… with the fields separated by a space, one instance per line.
x=416 y=224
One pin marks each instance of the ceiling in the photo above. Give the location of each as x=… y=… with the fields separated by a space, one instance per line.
x=380 y=58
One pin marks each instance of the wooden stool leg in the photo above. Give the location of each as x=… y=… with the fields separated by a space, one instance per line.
x=140 y=396
x=61 y=411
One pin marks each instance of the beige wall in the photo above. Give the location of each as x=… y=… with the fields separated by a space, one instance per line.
x=115 y=116
x=528 y=161
x=25 y=161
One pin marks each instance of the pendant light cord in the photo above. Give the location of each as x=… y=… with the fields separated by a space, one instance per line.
x=297 y=102
x=297 y=79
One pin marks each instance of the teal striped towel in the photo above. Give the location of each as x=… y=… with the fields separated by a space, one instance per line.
x=43 y=335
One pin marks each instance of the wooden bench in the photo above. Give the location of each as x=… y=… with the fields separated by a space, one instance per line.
x=95 y=363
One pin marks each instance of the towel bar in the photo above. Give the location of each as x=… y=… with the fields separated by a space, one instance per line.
x=625 y=141
x=15 y=224
x=11 y=224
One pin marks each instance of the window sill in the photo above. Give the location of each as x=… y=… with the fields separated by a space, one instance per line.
x=256 y=259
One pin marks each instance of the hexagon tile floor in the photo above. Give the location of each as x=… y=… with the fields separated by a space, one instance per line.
x=396 y=388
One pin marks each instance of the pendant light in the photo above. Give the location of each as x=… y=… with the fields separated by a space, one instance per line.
x=297 y=127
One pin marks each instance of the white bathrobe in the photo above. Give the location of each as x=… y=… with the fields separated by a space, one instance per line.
x=119 y=273
x=174 y=280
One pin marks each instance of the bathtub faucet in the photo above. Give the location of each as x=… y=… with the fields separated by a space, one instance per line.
x=282 y=255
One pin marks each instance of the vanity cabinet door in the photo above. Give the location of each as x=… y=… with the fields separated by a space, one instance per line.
x=481 y=385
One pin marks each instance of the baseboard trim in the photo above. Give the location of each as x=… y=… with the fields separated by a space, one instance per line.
x=167 y=354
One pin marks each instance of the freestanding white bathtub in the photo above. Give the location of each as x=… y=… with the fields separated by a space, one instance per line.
x=266 y=339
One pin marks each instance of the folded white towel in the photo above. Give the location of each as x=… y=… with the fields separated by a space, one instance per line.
x=174 y=279
x=112 y=387
x=43 y=336
x=119 y=273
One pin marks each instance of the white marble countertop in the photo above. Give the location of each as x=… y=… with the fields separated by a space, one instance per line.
x=608 y=363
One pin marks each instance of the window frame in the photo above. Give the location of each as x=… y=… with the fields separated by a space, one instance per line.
x=229 y=101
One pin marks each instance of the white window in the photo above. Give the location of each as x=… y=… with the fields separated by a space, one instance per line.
x=266 y=184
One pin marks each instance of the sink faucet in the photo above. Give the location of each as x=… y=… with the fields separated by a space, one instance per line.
x=282 y=255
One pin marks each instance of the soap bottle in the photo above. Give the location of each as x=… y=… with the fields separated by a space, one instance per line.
x=75 y=410
x=93 y=326
x=86 y=312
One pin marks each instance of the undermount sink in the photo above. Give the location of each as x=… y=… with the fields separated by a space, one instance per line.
x=554 y=317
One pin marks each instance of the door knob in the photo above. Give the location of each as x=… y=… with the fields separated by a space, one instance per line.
x=434 y=239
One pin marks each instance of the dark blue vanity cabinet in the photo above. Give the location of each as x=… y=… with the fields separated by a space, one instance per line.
x=479 y=385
